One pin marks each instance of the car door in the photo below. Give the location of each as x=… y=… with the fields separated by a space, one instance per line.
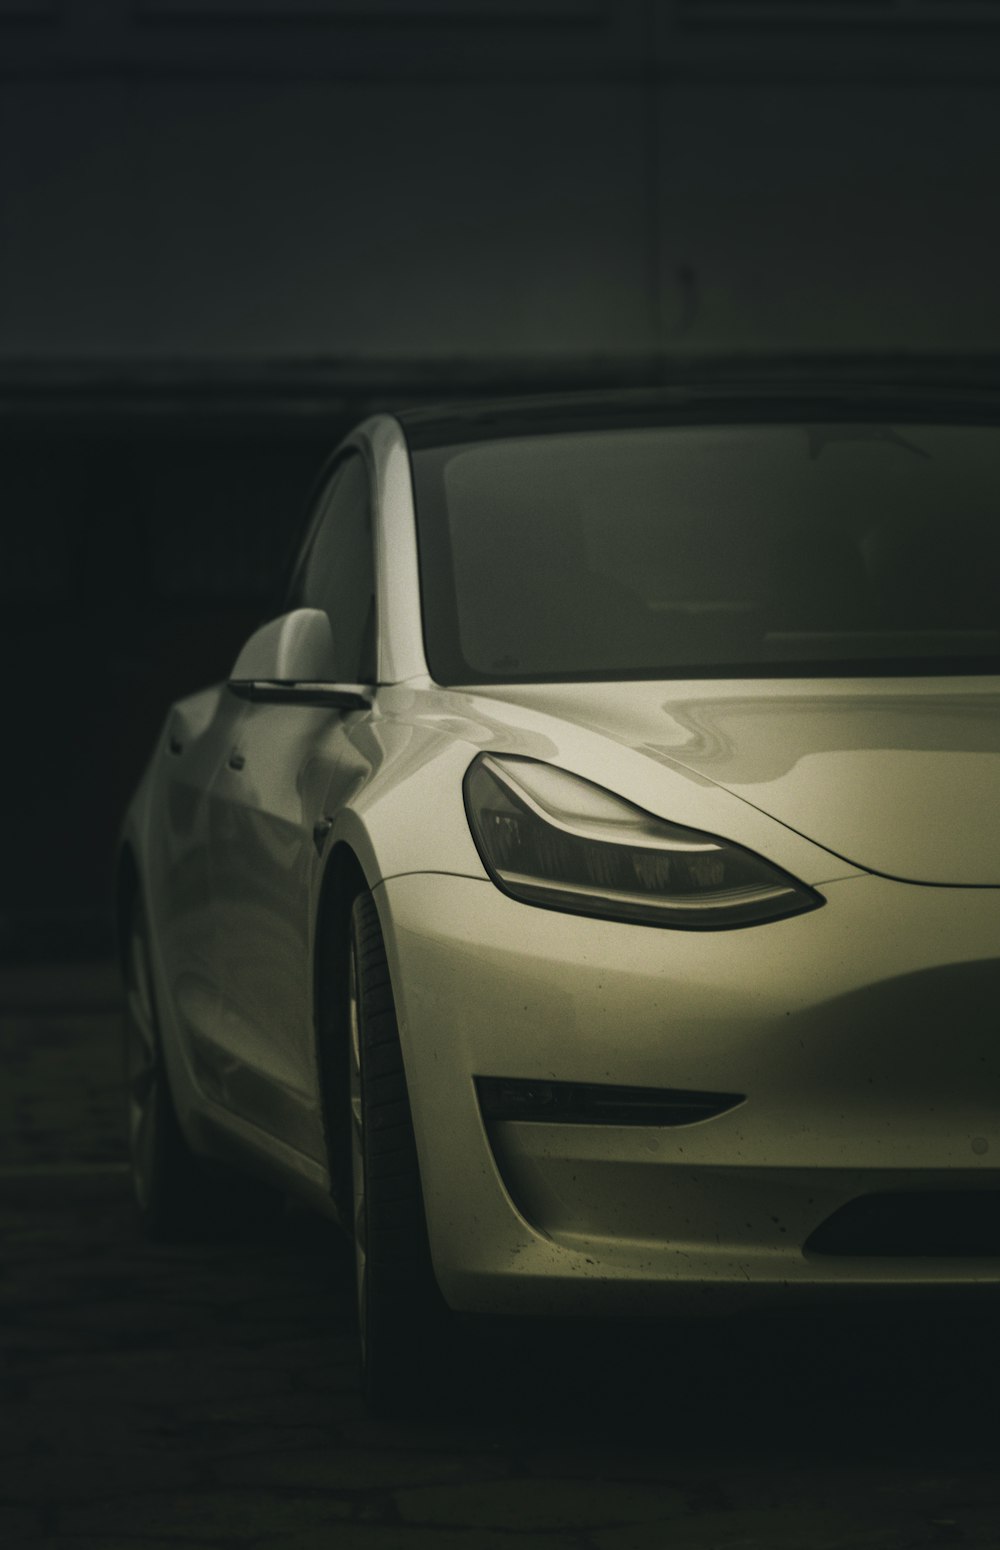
x=197 y=733
x=267 y=799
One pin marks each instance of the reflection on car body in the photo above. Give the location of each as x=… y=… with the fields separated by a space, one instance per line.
x=589 y=886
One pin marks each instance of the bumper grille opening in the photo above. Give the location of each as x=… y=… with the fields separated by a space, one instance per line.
x=597 y=1103
x=938 y=1224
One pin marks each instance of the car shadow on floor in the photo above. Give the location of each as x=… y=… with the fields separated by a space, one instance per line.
x=797 y=1383
x=847 y=1378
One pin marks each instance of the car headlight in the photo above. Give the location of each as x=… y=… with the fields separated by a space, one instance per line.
x=550 y=838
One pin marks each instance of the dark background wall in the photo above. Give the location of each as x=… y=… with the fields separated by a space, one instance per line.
x=228 y=227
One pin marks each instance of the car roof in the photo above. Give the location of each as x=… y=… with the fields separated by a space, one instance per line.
x=953 y=399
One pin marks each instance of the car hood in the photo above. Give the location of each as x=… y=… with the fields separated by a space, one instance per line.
x=899 y=776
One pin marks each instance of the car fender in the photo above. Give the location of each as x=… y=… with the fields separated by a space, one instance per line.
x=400 y=806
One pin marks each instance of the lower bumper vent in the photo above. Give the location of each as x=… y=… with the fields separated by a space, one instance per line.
x=595 y=1103
x=940 y=1224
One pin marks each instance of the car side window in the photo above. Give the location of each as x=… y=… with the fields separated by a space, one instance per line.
x=338 y=571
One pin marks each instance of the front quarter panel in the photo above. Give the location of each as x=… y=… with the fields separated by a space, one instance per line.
x=395 y=798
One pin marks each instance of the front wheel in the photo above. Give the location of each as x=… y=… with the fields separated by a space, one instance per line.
x=402 y=1318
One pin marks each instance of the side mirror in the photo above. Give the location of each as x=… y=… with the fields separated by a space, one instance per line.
x=289 y=662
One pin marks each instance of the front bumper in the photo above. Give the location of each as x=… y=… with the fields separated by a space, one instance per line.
x=863 y=1035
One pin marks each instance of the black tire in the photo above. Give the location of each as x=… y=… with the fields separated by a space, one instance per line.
x=177 y=1196
x=404 y=1325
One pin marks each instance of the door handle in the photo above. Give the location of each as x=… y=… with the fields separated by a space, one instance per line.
x=321 y=828
x=236 y=760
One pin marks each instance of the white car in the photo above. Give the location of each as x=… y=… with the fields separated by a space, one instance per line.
x=589 y=887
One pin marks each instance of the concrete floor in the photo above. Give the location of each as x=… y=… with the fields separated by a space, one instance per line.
x=208 y=1395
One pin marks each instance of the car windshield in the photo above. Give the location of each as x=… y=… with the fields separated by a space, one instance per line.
x=730 y=550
